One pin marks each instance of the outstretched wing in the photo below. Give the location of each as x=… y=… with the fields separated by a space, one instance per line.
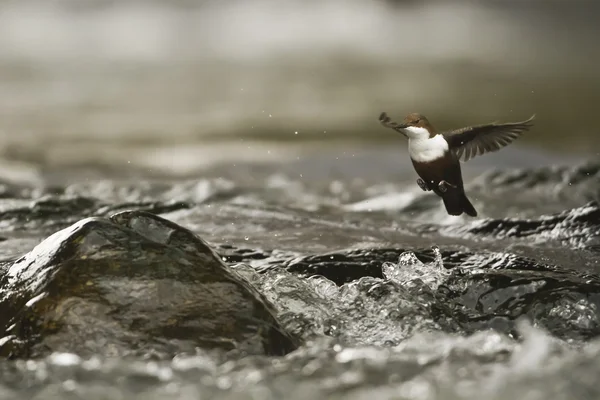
x=474 y=141
x=388 y=123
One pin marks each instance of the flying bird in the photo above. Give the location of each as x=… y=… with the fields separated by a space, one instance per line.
x=436 y=156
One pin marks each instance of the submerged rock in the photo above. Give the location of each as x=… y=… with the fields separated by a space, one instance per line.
x=344 y=266
x=131 y=284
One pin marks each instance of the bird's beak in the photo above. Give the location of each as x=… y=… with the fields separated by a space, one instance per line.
x=388 y=123
x=400 y=129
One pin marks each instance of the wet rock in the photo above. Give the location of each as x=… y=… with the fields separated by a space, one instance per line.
x=566 y=304
x=578 y=227
x=346 y=265
x=134 y=284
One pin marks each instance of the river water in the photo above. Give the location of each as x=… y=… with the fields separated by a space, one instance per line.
x=254 y=125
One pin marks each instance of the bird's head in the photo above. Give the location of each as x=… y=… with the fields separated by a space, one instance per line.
x=416 y=126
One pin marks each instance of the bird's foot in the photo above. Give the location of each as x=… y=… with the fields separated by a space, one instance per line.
x=423 y=185
x=443 y=186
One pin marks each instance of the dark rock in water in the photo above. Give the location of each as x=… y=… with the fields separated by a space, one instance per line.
x=344 y=266
x=131 y=284
x=564 y=303
x=494 y=290
x=579 y=227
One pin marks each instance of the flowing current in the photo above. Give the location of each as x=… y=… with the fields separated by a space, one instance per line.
x=382 y=303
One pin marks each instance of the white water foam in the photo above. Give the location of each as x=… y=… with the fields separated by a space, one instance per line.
x=410 y=269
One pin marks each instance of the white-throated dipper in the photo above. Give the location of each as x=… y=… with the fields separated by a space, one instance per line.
x=436 y=156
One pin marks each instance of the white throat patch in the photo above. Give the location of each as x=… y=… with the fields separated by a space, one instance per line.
x=424 y=149
x=415 y=132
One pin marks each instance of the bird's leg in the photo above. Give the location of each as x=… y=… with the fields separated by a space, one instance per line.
x=423 y=185
x=443 y=186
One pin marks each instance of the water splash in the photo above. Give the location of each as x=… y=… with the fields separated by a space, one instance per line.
x=410 y=271
x=365 y=311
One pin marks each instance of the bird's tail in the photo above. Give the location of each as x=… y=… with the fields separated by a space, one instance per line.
x=456 y=202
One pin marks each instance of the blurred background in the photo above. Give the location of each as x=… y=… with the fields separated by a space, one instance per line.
x=170 y=87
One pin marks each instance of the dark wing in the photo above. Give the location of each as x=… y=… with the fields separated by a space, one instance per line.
x=477 y=140
x=388 y=123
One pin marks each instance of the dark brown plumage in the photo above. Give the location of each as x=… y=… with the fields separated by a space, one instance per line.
x=412 y=119
x=473 y=141
x=447 y=169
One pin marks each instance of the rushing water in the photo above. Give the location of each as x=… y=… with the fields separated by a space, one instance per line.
x=388 y=296
x=253 y=125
